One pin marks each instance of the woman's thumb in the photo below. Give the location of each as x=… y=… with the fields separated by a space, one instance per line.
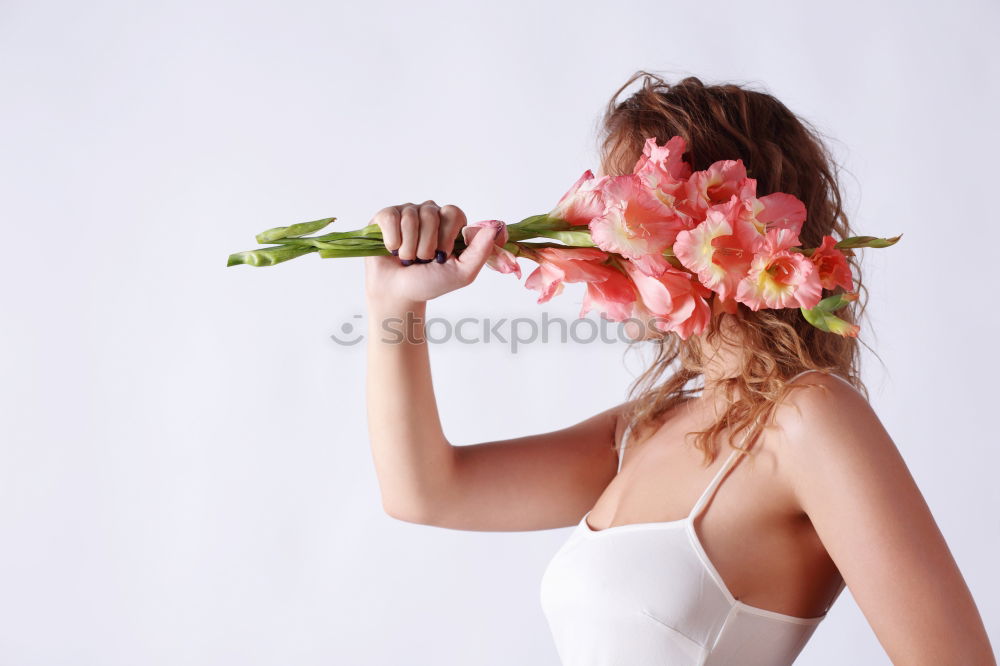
x=484 y=237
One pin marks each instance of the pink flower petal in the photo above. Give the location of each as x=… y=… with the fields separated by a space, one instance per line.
x=834 y=270
x=582 y=202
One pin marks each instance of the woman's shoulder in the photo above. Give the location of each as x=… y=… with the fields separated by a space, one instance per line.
x=817 y=394
x=827 y=439
x=824 y=418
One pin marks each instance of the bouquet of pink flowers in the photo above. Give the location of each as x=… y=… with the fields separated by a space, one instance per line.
x=661 y=244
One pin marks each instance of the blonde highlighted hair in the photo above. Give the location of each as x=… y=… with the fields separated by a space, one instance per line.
x=784 y=154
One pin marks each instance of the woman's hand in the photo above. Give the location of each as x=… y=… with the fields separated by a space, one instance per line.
x=423 y=237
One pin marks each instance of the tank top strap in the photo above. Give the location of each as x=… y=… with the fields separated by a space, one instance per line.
x=831 y=374
x=717 y=479
x=621 y=447
x=794 y=377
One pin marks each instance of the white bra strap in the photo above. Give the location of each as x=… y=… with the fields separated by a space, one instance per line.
x=621 y=447
x=830 y=374
x=793 y=378
x=707 y=494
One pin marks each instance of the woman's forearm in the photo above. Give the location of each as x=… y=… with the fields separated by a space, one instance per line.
x=412 y=457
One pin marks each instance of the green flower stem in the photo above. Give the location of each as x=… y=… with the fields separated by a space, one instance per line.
x=867 y=241
x=347 y=241
x=269 y=256
x=347 y=252
x=300 y=229
x=849 y=244
x=371 y=231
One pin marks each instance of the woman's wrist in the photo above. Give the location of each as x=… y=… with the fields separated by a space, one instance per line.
x=396 y=320
x=389 y=305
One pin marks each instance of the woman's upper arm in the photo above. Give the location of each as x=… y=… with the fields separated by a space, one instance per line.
x=852 y=482
x=540 y=481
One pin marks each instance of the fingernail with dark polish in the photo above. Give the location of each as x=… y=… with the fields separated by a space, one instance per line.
x=394 y=253
x=423 y=261
x=406 y=262
x=440 y=257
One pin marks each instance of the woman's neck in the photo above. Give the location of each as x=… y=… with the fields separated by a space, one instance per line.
x=722 y=359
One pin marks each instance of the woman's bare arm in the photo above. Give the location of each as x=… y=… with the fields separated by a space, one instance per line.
x=535 y=482
x=539 y=481
x=866 y=508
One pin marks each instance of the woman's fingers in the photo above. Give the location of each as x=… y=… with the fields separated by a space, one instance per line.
x=420 y=233
x=409 y=225
x=387 y=220
x=430 y=220
x=452 y=221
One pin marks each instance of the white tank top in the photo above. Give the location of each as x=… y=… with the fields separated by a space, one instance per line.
x=646 y=594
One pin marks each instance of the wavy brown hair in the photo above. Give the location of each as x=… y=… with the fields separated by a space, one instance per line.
x=783 y=153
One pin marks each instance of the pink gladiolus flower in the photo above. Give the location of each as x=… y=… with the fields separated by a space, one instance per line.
x=780 y=210
x=614 y=297
x=715 y=252
x=662 y=163
x=779 y=278
x=675 y=300
x=636 y=224
x=715 y=185
x=832 y=266
x=500 y=259
x=664 y=173
x=583 y=202
x=558 y=265
x=720 y=305
x=774 y=211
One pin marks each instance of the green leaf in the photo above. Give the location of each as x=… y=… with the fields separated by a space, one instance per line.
x=867 y=241
x=269 y=256
x=537 y=225
x=300 y=229
x=822 y=316
x=341 y=252
x=325 y=243
x=537 y=221
x=572 y=238
x=837 y=301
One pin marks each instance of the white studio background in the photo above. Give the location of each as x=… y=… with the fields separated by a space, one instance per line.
x=184 y=469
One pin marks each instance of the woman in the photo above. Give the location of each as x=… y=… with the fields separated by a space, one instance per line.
x=725 y=547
